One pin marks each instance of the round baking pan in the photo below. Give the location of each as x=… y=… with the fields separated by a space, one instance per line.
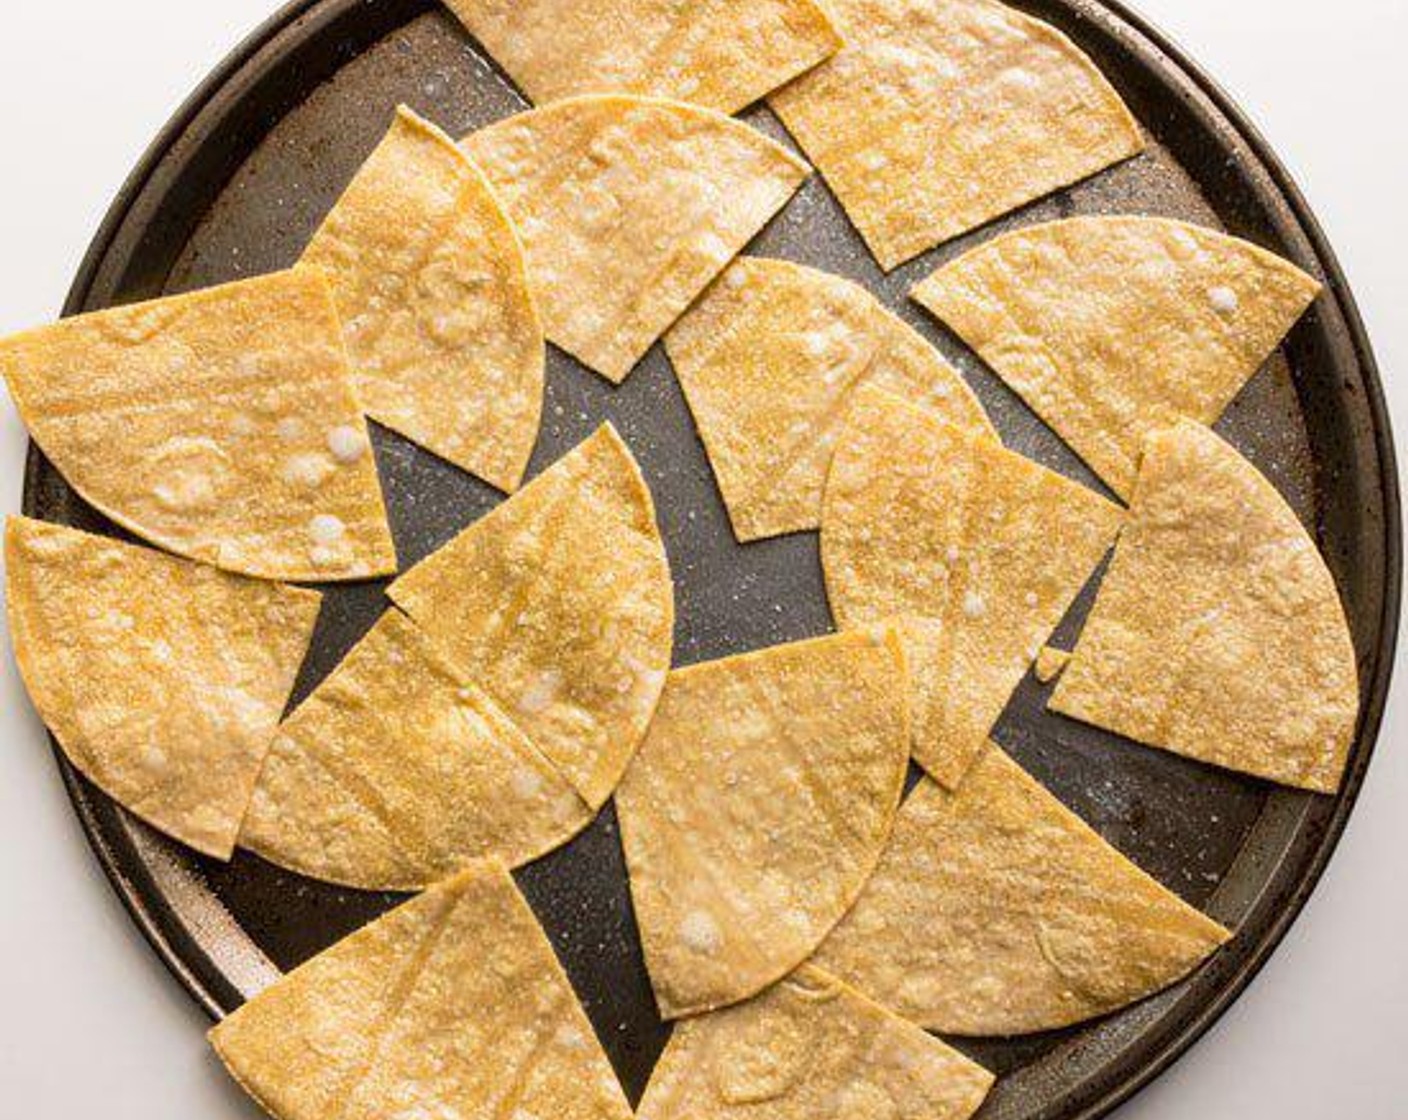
x=243 y=175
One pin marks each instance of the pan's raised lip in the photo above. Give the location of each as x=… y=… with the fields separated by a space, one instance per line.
x=199 y=975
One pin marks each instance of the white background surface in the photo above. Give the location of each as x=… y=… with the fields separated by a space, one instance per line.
x=91 y=1024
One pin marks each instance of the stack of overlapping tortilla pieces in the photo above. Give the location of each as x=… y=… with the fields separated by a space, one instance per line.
x=805 y=921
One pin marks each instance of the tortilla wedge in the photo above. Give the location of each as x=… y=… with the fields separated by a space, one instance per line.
x=397 y=771
x=162 y=680
x=628 y=207
x=970 y=551
x=1218 y=633
x=724 y=54
x=428 y=276
x=1113 y=327
x=770 y=359
x=756 y=808
x=559 y=606
x=220 y=425
x=997 y=911
x=810 y=1048
x=936 y=118
x=453 y=1004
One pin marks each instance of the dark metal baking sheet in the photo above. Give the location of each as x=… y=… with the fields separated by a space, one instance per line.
x=244 y=173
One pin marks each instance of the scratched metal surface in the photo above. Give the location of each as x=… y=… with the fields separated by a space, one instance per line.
x=245 y=174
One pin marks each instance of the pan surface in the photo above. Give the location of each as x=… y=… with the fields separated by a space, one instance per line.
x=244 y=174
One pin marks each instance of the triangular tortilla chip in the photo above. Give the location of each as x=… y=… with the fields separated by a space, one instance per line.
x=628 y=207
x=810 y=1048
x=973 y=552
x=429 y=278
x=559 y=605
x=770 y=359
x=220 y=425
x=397 y=771
x=162 y=680
x=722 y=53
x=936 y=118
x=756 y=809
x=451 y=1005
x=1113 y=327
x=1218 y=633
x=997 y=911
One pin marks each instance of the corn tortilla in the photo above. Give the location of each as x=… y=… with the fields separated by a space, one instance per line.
x=810 y=1048
x=724 y=54
x=221 y=425
x=997 y=911
x=428 y=276
x=1051 y=663
x=756 y=808
x=451 y=1005
x=1218 y=633
x=162 y=680
x=397 y=771
x=940 y=115
x=770 y=359
x=971 y=551
x=1113 y=327
x=560 y=607
x=628 y=207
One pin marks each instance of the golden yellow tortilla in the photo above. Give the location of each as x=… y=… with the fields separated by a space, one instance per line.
x=452 y=1005
x=937 y=117
x=810 y=1048
x=1113 y=327
x=398 y=771
x=756 y=809
x=971 y=551
x=162 y=680
x=997 y=911
x=220 y=425
x=724 y=54
x=1051 y=663
x=560 y=607
x=769 y=361
x=1218 y=633
x=429 y=278
x=628 y=207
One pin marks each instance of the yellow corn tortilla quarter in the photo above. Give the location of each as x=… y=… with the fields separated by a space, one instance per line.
x=428 y=276
x=221 y=425
x=628 y=207
x=997 y=911
x=397 y=771
x=1218 y=633
x=560 y=607
x=936 y=118
x=724 y=53
x=1051 y=663
x=453 y=1004
x=756 y=809
x=162 y=680
x=1113 y=327
x=972 y=552
x=770 y=359
x=810 y=1048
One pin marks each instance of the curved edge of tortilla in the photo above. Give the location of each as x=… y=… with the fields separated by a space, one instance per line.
x=614 y=360
x=757 y=516
x=42 y=693
x=382 y=559
x=880 y=636
x=486 y=219
x=1075 y=691
x=949 y=298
